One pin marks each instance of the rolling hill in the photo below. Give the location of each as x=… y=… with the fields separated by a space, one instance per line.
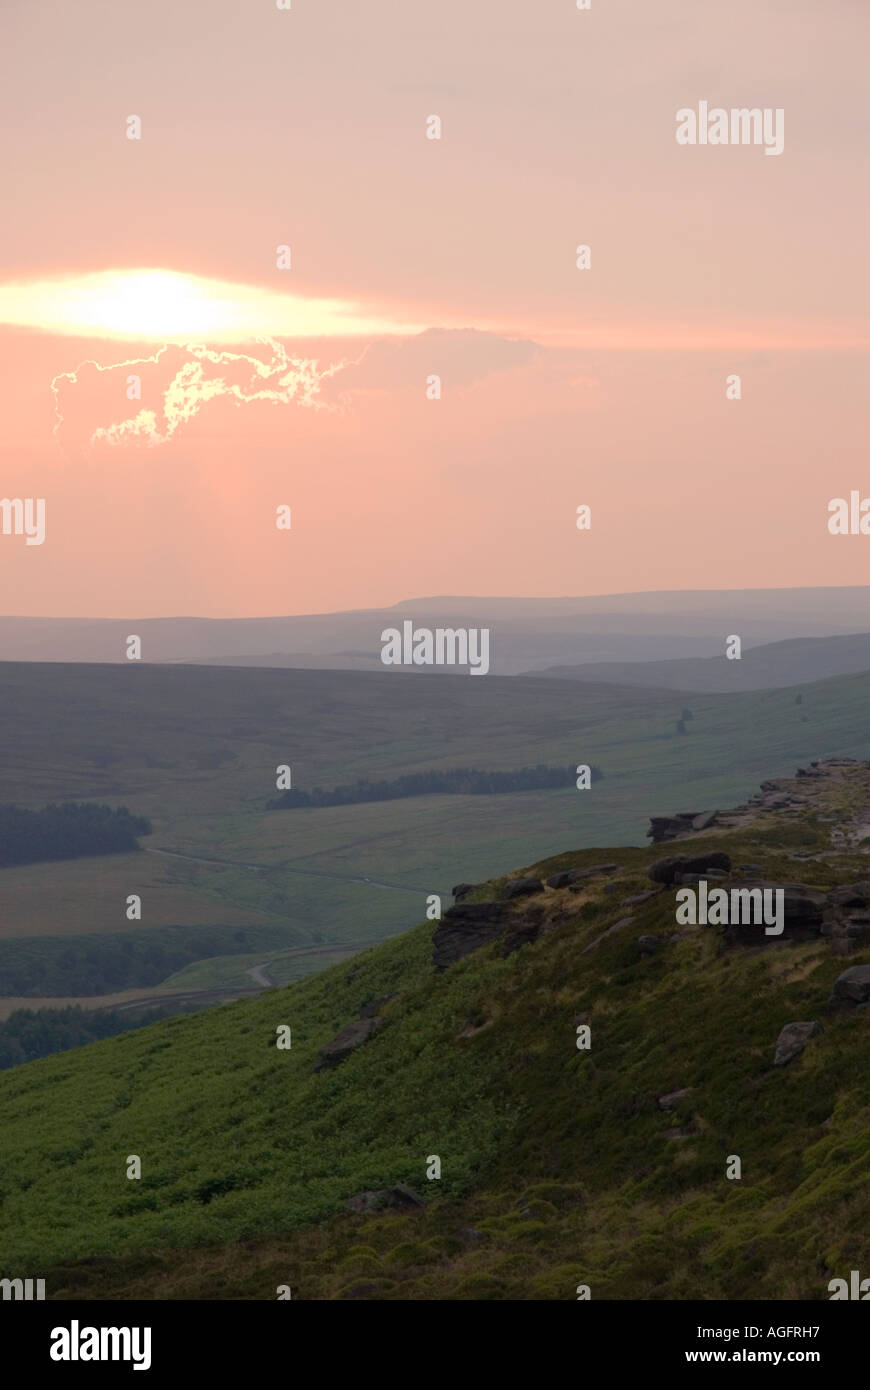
x=776 y=664
x=558 y=1165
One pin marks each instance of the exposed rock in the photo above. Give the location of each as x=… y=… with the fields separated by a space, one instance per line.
x=580 y=1019
x=637 y=898
x=346 y=1042
x=693 y=879
x=683 y=823
x=520 y=888
x=567 y=877
x=462 y=890
x=666 y=870
x=852 y=987
x=471 y=1236
x=802 y=911
x=397 y=1198
x=466 y=927
x=792 y=1041
x=673 y=1098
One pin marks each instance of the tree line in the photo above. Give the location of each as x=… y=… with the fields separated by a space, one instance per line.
x=31 y=1033
x=66 y=830
x=457 y=781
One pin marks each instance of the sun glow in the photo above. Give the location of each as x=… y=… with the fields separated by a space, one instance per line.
x=167 y=306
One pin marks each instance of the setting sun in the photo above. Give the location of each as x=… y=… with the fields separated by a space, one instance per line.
x=165 y=305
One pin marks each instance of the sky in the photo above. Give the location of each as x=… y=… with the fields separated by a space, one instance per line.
x=307 y=384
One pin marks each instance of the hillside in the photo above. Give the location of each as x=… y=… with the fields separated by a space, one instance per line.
x=230 y=889
x=775 y=664
x=559 y=1166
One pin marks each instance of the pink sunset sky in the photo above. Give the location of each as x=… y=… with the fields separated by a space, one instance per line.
x=413 y=257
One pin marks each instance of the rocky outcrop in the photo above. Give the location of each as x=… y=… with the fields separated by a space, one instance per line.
x=462 y=890
x=667 y=870
x=346 y=1042
x=520 y=888
x=792 y=1040
x=568 y=878
x=683 y=823
x=802 y=913
x=466 y=927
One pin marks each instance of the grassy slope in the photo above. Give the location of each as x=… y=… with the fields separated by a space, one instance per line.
x=559 y=1158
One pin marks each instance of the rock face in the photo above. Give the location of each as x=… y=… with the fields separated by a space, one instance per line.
x=852 y=987
x=464 y=928
x=792 y=1041
x=667 y=870
x=520 y=888
x=346 y=1042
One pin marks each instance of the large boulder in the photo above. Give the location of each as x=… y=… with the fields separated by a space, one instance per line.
x=396 y=1198
x=852 y=987
x=346 y=1042
x=567 y=877
x=667 y=870
x=683 y=823
x=792 y=1040
x=462 y=890
x=466 y=927
x=520 y=888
